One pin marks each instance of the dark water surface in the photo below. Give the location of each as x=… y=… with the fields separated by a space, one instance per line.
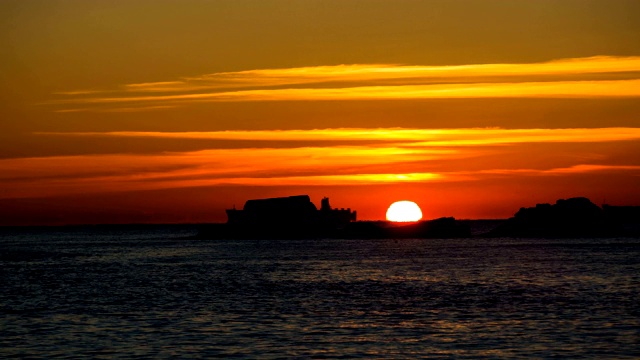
x=145 y=292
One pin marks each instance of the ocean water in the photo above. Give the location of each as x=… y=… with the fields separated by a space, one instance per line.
x=148 y=292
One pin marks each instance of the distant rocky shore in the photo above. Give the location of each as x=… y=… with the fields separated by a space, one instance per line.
x=574 y=217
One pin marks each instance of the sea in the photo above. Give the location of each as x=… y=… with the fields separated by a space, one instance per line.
x=153 y=291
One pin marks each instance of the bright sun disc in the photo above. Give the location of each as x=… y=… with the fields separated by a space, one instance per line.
x=404 y=211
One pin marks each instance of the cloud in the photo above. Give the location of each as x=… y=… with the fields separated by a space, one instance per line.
x=394 y=155
x=557 y=89
x=575 y=169
x=118 y=109
x=254 y=167
x=49 y=176
x=409 y=137
x=383 y=72
x=79 y=92
x=616 y=77
x=588 y=168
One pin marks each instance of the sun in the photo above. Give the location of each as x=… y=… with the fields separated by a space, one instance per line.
x=404 y=211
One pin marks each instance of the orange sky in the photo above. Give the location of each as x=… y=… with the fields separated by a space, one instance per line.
x=166 y=111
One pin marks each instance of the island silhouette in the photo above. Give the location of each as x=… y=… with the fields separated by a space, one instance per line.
x=296 y=217
x=573 y=217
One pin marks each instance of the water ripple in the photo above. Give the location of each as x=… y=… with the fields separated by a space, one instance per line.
x=96 y=295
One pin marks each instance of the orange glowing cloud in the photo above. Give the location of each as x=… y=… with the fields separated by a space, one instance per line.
x=421 y=137
x=557 y=89
x=377 y=82
x=378 y=72
x=400 y=156
x=576 y=169
x=48 y=176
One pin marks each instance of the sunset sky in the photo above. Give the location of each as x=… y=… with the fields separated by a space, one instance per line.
x=154 y=111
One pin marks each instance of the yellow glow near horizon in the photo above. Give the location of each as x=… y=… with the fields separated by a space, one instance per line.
x=404 y=211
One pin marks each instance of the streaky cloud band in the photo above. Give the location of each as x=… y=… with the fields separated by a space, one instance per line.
x=412 y=137
x=378 y=82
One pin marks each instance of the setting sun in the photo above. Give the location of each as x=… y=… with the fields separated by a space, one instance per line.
x=499 y=115
x=404 y=211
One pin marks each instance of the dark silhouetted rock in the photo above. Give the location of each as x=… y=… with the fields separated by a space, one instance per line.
x=574 y=217
x=624 y=219
x=444 y=228
x=296 y=217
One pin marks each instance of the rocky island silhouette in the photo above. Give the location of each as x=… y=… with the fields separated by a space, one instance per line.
x=296 y=217
x=573 y=217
